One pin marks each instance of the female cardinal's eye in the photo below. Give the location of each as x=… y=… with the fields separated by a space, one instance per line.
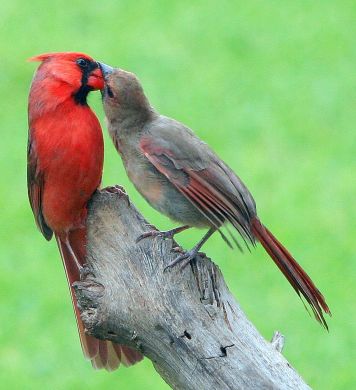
x=82 y=62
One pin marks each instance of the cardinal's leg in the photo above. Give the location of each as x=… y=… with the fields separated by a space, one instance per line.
x=70 y=250
x=188 y=256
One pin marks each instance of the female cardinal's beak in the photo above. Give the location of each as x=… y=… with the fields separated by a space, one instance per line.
x=106 y=69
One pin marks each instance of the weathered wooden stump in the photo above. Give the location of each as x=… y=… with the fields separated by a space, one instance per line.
x=185 y=321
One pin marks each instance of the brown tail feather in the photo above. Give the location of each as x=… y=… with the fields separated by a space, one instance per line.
x=294 y=273
x=101 y=353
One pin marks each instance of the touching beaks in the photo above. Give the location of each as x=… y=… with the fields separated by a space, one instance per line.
x=106 y=69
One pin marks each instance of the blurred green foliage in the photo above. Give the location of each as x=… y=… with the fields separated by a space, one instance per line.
x=271 y=87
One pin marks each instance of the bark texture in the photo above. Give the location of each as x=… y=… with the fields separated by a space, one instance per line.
x=185 y=321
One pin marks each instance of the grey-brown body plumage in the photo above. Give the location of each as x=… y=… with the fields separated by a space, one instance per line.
x=132 y=122
x=157 y=189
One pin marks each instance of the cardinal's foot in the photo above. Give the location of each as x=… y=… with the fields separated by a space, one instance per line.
x=165 y=234
x=116 y=189
x=184 y=259
x=154 y=233
x=177 y=249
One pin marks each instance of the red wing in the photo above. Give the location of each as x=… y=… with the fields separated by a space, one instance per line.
x=199 y=190
x=35 y=183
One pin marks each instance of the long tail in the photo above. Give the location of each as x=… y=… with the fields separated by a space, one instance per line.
x=294 y=273
x=102 y=353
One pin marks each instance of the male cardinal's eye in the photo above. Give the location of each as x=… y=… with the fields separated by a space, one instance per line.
x=82 y=62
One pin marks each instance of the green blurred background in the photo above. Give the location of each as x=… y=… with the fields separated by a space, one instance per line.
x=271 y=86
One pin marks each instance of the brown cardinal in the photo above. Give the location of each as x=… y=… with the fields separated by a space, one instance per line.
x=181 y=177
x=65 y=162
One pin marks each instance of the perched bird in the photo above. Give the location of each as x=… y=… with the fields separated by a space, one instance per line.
x=181 y=177
x=65 y=161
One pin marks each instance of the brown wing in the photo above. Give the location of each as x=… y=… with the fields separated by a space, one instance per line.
x=201 y=177
x=35 y=184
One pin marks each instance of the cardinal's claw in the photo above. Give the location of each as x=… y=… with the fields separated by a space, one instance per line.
x=115 y=189
x=185 y=259
x=165 y=234
x=157 y=233
x=152 y=233
x=177 y=249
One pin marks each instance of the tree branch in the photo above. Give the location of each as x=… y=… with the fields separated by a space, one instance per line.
x=185 y=321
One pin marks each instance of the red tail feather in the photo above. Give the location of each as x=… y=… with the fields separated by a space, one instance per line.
x=103 y=354
x=294 y=273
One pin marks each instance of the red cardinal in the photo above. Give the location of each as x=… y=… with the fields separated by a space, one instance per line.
x=183 y=178
x=64 y=168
